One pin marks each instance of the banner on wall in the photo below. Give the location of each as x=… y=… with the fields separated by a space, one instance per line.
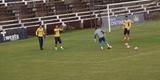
x=135 y=18
x=13 y=34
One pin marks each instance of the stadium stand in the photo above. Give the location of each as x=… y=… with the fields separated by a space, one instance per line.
x=26 y=13
x=5 y=13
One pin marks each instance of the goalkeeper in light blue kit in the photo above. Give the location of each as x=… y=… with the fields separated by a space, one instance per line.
x=101 y=36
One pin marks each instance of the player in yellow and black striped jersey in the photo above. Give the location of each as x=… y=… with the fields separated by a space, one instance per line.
x=57 y=37
x=127 y=26
x=40 y=33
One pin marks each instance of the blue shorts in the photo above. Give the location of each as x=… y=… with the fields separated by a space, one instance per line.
x=102 y=39
x=57 y=40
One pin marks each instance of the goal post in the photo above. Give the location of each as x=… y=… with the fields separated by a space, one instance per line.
x=106 y=11
x=108 y=16
x=109 y=20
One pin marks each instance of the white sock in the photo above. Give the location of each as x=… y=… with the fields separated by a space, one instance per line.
x=108 y=45
x=101 y=48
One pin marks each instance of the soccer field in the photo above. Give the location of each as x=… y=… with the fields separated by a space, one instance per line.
x=82 y=59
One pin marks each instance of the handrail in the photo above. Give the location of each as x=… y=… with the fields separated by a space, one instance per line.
x=31 y=22
x=124 y=3
x=12 y=28
x=50 y=20
x=8 y=21
x=10 y=24
x=129 y=2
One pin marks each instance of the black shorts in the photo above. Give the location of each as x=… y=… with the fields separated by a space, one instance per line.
x=102 y=40
x=57 y=40
x=126 y=31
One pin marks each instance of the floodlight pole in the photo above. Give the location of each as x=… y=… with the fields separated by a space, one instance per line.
x=109 y=22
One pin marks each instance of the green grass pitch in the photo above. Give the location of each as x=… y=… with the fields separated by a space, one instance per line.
x=82 y=59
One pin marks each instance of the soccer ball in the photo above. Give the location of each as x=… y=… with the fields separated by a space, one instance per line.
x=136 y=48
x=109 y=47
x=128 y=46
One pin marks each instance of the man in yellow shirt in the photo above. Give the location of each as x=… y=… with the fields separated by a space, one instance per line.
x=127 y=26
x=40 y=33
x=57 y=35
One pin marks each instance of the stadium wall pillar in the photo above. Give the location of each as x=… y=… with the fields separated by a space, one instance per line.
x=82 y=24
x=1 y=37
